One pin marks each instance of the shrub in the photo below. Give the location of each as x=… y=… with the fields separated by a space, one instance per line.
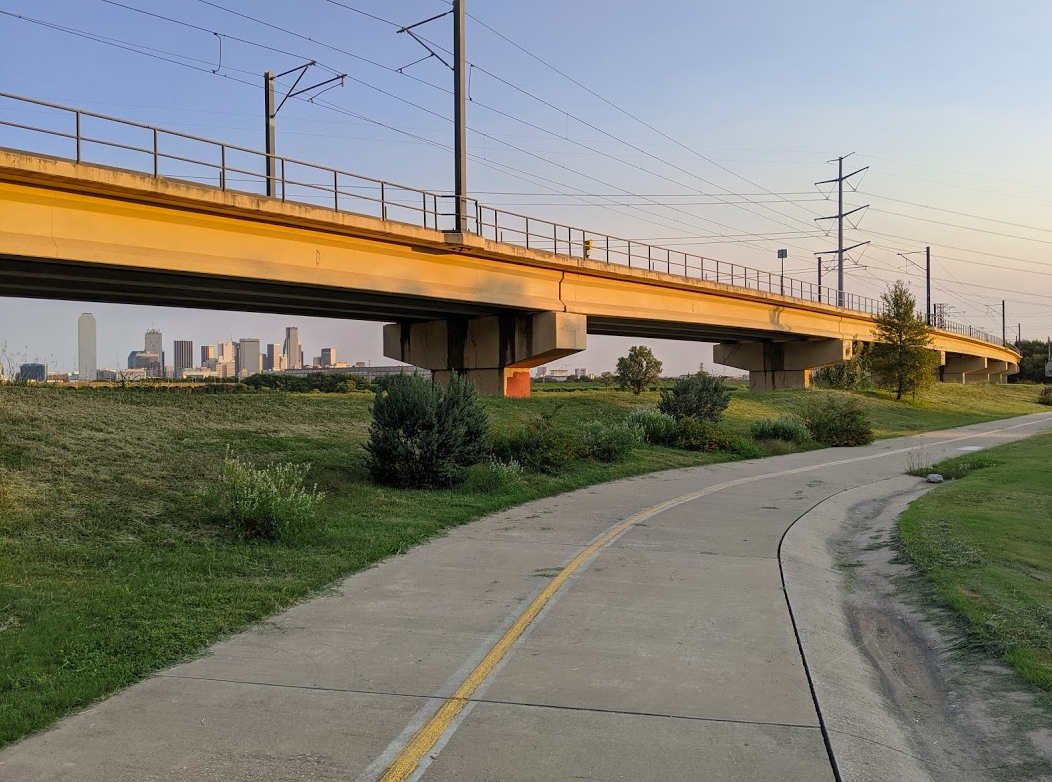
x=838 y=421
x=537 y=444
x=424 y=437
x=1045 y=397
x=492 y=476
x=702 y=396
x=746 y=448
x=611 y=442
x=691 y=434
x=853 y=375
x=655 y=426
x=269 y=502
x=789 y=429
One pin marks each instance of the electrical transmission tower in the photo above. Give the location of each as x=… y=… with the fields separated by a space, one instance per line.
x=839 y=217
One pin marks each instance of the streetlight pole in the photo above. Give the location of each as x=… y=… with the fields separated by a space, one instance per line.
x=782 y=255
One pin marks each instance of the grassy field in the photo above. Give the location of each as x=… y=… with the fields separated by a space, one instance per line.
x=985 y=542
x=111 y=566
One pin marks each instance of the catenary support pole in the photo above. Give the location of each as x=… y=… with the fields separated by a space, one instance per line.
x=840 y=234
x=1004 y=324
x=927 y=278
x=460 y=151
x=268 y=99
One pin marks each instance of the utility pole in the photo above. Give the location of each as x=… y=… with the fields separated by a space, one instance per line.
x=839 y=217
x=782 y=255
x=460 y=146
x=269 y=80
x=1004 y=324
x=819 y=279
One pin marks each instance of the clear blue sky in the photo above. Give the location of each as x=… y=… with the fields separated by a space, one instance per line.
x=947 y=101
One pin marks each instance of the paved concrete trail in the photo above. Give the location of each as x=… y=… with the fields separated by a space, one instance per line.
x=637 y=630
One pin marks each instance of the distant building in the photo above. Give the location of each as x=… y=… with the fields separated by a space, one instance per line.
x=36 y=373
x=155 y=344
x=208 y=353
x=150 y=363
x=87 y=349
x=249 y=361
x=580 y=372
x=184 y=356
x=272 y=361
x=293 y=351
x=328 y=357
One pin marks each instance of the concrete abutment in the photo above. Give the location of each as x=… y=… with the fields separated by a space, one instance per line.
x=496 y=353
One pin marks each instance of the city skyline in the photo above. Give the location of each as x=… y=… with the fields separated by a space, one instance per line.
x=114 y=324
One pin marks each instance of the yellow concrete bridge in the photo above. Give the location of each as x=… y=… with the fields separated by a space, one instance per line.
x=513 y=293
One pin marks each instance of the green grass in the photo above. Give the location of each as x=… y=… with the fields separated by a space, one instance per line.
x=112 y=567
x=985 y=543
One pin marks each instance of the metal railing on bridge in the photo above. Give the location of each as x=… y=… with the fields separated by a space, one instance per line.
x=89 y=137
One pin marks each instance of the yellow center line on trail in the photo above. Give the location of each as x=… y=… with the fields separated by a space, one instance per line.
x=409 y=758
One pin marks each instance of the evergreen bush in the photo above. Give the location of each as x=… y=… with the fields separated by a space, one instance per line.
x=424 y=437
x=701 y=396
x=538 y=445
x=1045 y=396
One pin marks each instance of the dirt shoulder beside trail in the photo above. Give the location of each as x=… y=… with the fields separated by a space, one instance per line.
x=901 y=696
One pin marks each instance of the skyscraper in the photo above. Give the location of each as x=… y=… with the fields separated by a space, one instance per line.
x=248 y=358
x=293 y=352
x=184 y=356
x=208 y=352
x=273 y=361
x=87 y=349
x=155 y=344
x=328 y=357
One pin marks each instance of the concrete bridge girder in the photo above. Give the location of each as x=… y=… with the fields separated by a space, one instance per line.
x=777 y=365
x=496 y=352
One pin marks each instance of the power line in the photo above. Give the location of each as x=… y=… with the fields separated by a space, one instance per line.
x=954 y=212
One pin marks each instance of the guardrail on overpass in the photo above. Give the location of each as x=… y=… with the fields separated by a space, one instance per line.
x=89 y=137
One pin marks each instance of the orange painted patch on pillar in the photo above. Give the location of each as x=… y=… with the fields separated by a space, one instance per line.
x=517 y=383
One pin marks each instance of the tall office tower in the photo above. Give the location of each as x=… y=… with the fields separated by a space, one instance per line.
x=328 y=357
x=208 y=353
x=87 y=349
x=228 y=351
x=272 y=361
x=293 y=353
x=184 y=356
x=155 y=344
x=248 y=358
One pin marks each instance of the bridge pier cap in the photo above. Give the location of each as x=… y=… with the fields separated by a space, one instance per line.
x=777 y=365
x=496 y=353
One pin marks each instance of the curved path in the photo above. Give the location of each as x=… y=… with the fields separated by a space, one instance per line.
x=636 y=630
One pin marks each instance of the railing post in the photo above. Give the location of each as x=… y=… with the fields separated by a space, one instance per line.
x=78 y=136
x=527 y=233
x=155 y=162
x=222 y=166
x=629 y=254
x=335 y=190
x=283 y=179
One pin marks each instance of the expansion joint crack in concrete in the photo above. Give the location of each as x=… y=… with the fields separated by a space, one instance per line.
x=496 y=702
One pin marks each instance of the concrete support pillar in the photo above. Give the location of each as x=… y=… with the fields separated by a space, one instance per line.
x=496 y=353
x=777 y=365
x=964 y=369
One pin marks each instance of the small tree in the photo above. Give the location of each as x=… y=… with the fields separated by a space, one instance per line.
x=902 y=359
x=639 y=369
